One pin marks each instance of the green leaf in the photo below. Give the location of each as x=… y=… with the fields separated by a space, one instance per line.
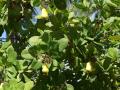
x=110 y=21
x=10 y=72
x=1 y=62
x=29 y=85
x=49 y=24
x=54 y=21
x=35 y=40
x=71 y=15
x=12 y=55
x=69 y=87
x=113 y=53
x=55 y=65
x=34 y=2
x=19 y=86
x=63 y=43
x=13 y=85
x=62 y=65
x=46 y=36
x=25 y=54
x=36 y=65
x=114 y=38
x=106 y=63
x=27 y=79
x=21 y=65
x=86 y=3
x=5 y=45
x=60 y=4
x=109 y=2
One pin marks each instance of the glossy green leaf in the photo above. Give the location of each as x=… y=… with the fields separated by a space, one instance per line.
x=25 y=54
x=109 y=2
x=21 y=65
x=12 y=55
x=60 y=4
x=62 y=65
x=35 y=2
x=86 y=3
x=113 y=53
x=10 y=72
x=5 y=45
x=13 y=85
x=35 y=40
x=28 y=85
x=69 y=87
x=27 y=79
x=107 y=63
x=35 y=65
x=55 y=65
x=63 y=43
x=114 y=38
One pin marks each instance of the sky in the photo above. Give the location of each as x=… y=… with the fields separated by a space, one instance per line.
x=3 y=36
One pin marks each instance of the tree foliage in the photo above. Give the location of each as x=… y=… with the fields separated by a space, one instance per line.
x=67 y=45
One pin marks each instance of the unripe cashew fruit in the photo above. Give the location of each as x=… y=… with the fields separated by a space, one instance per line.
x=45 y=69
x=90 y=67
x=44 y=13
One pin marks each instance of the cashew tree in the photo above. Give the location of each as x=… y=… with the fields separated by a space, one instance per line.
x=60 y=45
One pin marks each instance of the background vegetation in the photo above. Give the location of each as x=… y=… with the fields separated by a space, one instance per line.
x=66 y=45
